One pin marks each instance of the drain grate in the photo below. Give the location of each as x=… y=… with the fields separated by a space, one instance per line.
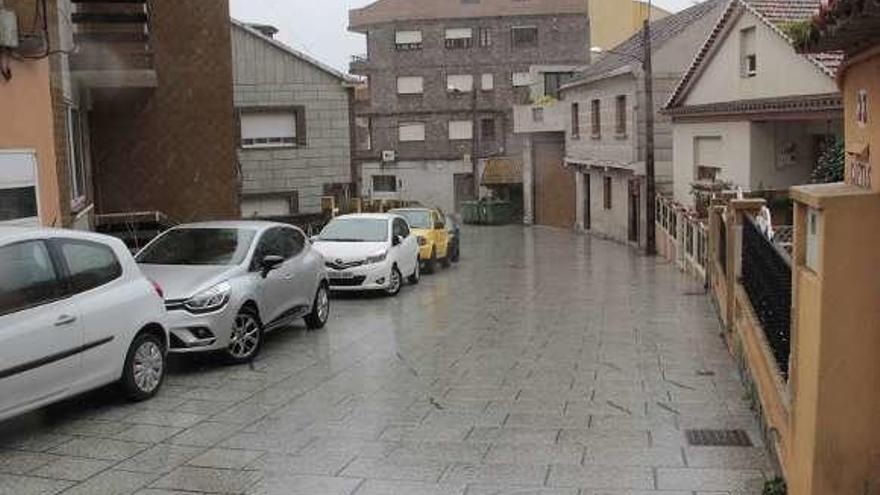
x=718 y=438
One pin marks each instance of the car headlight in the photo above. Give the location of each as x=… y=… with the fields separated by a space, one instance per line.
x=377 y=258
x=209 y=300
x=422 y=241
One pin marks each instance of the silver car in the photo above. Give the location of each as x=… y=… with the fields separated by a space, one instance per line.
x=227 y=283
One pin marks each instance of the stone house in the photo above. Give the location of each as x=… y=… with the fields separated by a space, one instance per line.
x=295 y=122
x=443 y=76
x=750 y=111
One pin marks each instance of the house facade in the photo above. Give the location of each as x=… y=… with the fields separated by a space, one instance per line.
x=750 y=112
x=443 y=77
x=116 y=116
x=295 y=125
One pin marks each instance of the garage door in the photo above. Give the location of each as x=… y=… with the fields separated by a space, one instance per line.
x=555 y=194
x=18 y=188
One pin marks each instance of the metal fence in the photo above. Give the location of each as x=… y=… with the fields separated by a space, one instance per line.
x=685 y=237
x=766 y=278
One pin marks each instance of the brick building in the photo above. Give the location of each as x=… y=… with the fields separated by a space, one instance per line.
x=117 y=109
x=443 y=77
x=295 y=120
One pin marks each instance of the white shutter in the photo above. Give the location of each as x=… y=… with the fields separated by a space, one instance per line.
x=412 y=131
x=407 y=37
x=707 y=152
x=488 y=82
x=268 y=129
x=459 y=33
x=461 y=129
x=463 y=83
x=265 y=207
x=410 y=85
x=521 y=79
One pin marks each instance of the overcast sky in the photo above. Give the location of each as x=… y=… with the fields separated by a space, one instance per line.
x=319 y=26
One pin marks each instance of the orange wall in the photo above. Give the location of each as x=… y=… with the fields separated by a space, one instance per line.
x=27 y=103
x=864 y=73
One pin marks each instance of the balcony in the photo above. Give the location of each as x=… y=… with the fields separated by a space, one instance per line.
x=113 y=44
x=549 y=117
x=359 y=65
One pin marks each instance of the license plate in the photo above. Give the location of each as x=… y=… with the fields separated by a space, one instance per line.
x=341 y=275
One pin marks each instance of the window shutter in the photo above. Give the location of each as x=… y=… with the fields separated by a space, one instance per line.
x=301 y=134
x=408 y=37
x=459 y=33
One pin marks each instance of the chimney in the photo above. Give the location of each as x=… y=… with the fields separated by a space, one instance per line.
x=266 y=30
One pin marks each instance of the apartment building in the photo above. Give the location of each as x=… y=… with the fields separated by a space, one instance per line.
x=443 y=77
x=118 y=111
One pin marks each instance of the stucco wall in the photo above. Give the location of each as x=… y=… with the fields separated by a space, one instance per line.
x=735 y=152
x=612 y=223
x=864 y=75
x=266 y=76
x=781 y=72
x=431 y=183
x=610 y=146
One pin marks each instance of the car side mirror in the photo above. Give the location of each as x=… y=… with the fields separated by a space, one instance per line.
x=269 y=263
x=397 y=240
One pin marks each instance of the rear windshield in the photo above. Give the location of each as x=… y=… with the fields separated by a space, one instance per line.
x=198 y=247
x=355 y=230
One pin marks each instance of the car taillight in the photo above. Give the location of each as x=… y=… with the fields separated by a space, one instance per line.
x=158 y=289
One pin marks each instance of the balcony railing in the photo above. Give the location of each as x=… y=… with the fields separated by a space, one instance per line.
x=113 y=43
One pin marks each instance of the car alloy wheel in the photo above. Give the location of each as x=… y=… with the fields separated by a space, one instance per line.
x=320 y=309
x=395 y=282
x=148 y=367
x=246 y=334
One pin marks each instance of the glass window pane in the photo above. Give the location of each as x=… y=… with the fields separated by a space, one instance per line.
x=91 y=265
x=17 y=203
x=27 y=277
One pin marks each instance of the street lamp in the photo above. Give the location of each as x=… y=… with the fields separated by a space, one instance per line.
x=650 y=174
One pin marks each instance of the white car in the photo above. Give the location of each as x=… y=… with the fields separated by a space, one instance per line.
x=76 y=313
x=369 y=252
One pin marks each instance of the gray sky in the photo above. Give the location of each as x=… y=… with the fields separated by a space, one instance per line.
x=319 y=26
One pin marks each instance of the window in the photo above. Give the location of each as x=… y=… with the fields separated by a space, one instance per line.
x=524 y=36
x=575 y=120
x=520 y=79
x=553 y=82
x=459 y=38
x=411 y=131
x=384 y=183
x=487 y=82
x=76 y=159
x=18 y=191
x=89 y=264
x=485 y=37
x=620 y=115
x=607 y=193
x=596 y=118
x=364 y=133
x=460 y=83
x=292 y=242
x=408 y=40
x=749 y=57
x=461 y=130
x=538 y=114
x=707 y=158
x=400 y=228
x=410 y=85
x=272 y=129
x=275 y=205
x=27 y=277
x=487 y=129
x=199 y=246
x=272 y=243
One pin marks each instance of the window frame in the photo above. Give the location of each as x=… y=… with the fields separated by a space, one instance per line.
x=607 y=193
x=488 y=133
x=516 y=43
x=76 y=156
x=61 y=289
x=418 y=93
x=621 y=115
x=401 y=125
x=596 y=118
x=68 y=277
x=484 y=37
x=458 y=43
x=395 y=188
x=449 y=126
x=411 y=46
x=300 y=139
x=748 y=54
x=575 y=120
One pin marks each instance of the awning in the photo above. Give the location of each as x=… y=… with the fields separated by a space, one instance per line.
x=502 y=171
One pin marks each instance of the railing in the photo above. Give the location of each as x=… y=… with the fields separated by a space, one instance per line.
x=766 y=278
x=683 y=237
x=111 y=36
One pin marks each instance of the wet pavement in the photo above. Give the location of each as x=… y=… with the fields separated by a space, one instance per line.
x=545 y=363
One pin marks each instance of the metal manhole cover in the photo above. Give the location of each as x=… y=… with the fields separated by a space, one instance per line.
x=718 y=438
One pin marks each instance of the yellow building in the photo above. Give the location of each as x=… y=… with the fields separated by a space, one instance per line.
x=614 y=21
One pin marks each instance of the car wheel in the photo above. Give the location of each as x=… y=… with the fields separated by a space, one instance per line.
x=456 y=254
x=417 y=273
x=446 y=262
x=247 y=337
x=144 y=367
x=395 y=283
x=431 y=263
x=320 y=309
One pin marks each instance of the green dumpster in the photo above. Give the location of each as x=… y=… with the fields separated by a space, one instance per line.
x=470 y=212
x=493 y=212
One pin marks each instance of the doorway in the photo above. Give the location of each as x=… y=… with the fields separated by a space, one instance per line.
x=463 y=187
x=635 y=204
x=588 y=192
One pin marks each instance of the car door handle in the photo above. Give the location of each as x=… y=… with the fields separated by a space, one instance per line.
x=65 y=320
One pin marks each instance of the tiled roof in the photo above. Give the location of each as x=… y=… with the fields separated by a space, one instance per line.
x=661 y=31
x=775 y=14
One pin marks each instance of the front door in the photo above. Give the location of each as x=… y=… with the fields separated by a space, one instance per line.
x=275 y=291
x=635 y=202
x=41 y=332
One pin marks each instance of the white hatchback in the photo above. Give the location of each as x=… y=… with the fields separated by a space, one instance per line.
x=369 y=251
x=75 y=314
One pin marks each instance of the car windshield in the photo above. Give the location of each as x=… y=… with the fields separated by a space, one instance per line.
x=355 y=230
x=418 y=219
x=199 y=247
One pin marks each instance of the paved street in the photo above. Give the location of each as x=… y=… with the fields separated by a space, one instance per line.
x=545 y=363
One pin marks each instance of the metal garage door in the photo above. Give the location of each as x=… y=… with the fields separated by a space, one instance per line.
x=18 y=188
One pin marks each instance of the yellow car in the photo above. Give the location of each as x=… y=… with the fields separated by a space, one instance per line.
x=429 y=225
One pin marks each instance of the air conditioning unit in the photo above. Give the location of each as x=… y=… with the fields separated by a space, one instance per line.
x=389 y=156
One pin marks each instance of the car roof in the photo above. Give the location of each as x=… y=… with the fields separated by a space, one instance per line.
x=233 y=224
x=374 y=216
x=12 y=233
x=421 y=208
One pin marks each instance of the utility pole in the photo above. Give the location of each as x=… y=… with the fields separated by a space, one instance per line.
x=650 y=177
x=475 y=139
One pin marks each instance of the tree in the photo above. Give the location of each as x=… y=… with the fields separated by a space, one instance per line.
x=831 y=164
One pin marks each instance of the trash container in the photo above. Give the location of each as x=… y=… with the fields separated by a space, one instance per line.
x=470 y=212
x=494 y=212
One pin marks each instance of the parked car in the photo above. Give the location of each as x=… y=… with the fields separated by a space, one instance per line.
x=76 y=314
x=228 y=283
x=453 y=227
x=429 y=225
x=369 y=252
